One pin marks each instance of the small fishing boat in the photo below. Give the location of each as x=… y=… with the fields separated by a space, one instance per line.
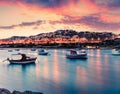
x=115 y=52
x=33 y=49
x=73 y=54
x=27 y=61
x=24 y=60
x=42 y=52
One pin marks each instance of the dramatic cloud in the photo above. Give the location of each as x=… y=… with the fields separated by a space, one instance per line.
x=97 y=23
x=7 y=27
x=93 y=21
x=37 y=23
x=23 y=24
x=43 y=3
x=66 y=7
x=50 y=15
x=109 y=3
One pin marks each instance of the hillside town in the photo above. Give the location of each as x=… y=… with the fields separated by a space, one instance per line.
x=64 y=38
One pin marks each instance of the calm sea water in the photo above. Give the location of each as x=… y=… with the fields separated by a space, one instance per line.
x=55 y=74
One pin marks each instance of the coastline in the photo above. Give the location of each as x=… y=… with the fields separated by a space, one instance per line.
x=55 y=47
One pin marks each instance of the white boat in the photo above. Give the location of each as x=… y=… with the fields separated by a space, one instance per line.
x=115 y=52
x=24 y=59
x=73 y=54
x=27 y=61
x=42 y=52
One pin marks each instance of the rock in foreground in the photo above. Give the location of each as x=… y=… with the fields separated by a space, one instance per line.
x=5 y=91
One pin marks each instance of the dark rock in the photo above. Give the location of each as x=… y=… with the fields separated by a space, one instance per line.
x=4 y=91
x=16 y=92
x=30 y=92
x=26 y=92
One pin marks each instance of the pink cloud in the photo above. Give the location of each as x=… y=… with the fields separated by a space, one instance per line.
x=86 y=12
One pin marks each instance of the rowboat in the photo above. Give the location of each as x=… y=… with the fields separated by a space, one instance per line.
x=24 y=59
x=42 y=52
x=19 y=61
x=73 y=54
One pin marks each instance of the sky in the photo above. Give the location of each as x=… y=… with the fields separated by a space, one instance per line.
x=31 y=17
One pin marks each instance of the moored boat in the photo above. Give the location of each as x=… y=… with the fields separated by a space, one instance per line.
x=73 y=54
x=33 y=49
x=42 y=52
x=27 y=61
x=17 y=49
x=115 y=52
x=24 y=59
x=10 y=50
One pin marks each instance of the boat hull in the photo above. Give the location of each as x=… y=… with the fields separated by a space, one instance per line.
x=43 y=53
x=28 y=61
x=46 y=53
x=76 y=56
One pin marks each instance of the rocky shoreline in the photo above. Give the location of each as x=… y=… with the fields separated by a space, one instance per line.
x=6 y=91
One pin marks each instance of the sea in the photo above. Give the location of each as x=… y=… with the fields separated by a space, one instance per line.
x=56 y=74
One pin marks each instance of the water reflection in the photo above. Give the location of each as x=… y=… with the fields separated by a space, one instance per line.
x=55 y=74
x=81 y=76
x=37 y=71
x=45 y=68
x=98 y=67
x=56 y=67
x=19 y=74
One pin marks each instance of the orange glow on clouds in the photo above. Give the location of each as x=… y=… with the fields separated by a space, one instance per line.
x=25 y=18
x=110 y=18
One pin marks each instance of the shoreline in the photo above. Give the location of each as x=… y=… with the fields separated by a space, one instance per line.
x=101 y=48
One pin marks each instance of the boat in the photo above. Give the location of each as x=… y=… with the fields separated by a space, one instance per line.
x=42 y=52
x=73 y=54
x=10 y=50
x=115 y=52
x=19 y=61
x=17 y=49
x=33 y=49
x=24 y=60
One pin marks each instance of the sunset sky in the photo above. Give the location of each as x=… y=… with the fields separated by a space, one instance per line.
x=31 y=17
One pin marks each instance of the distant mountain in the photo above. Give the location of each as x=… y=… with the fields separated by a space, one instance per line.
x=82 y=34
x=68 y=34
